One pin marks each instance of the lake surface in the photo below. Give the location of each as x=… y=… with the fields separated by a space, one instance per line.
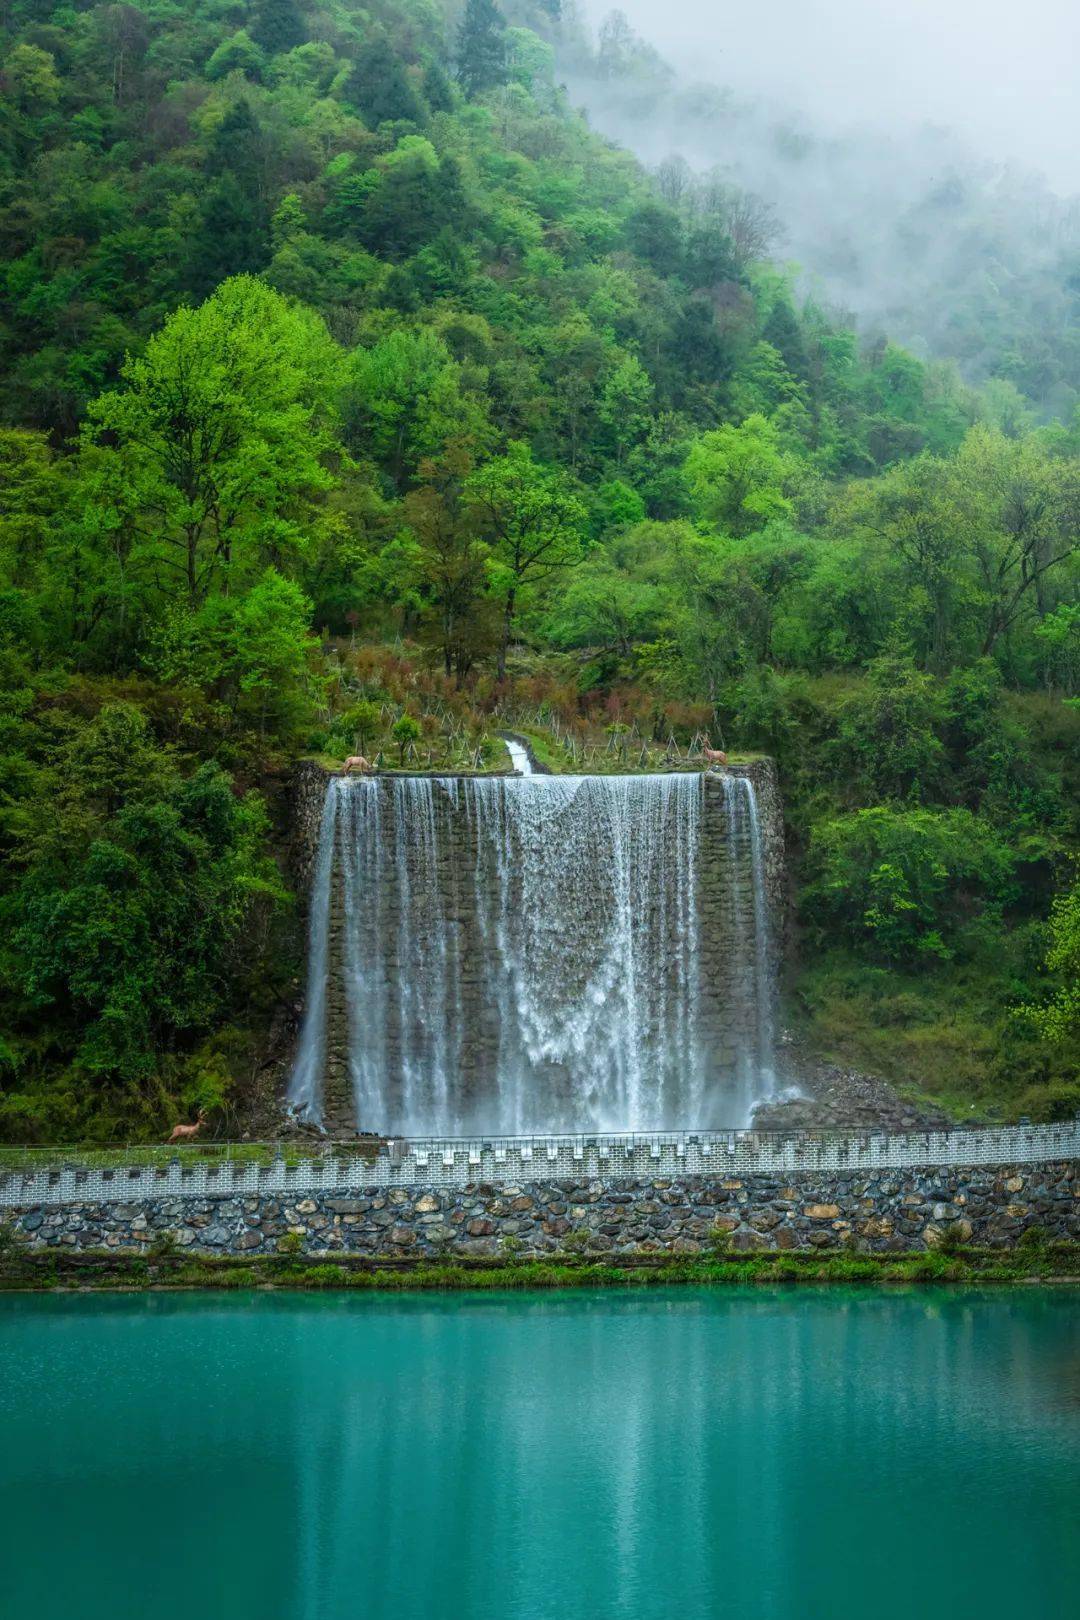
x=767 y=1455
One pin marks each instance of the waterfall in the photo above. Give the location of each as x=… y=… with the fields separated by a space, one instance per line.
x=751 y=989
x=306 y=1085
x=540 y=953
x=519 y=756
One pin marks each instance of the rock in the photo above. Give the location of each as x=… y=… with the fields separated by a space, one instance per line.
x=822 y=1212
x=427 y=1204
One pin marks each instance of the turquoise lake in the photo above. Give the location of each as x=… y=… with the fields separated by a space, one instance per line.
x=807 y=1454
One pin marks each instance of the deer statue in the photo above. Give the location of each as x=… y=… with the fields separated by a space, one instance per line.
x=357 y=762
x=184 y=1133
x=712 y=756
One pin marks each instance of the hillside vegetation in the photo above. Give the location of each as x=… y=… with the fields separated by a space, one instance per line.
x=356 y=395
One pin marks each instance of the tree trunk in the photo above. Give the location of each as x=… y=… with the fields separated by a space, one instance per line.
x=508 y=624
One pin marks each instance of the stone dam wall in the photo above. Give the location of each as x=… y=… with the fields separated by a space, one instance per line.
x=309 y=792
x=727 y=1017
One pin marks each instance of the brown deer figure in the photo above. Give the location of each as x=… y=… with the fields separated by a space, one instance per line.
x=357 y=762
x=712 y=756
x=184 y=1133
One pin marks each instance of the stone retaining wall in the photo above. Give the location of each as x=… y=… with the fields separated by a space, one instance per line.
x=880 y=1212
x=451 y=1162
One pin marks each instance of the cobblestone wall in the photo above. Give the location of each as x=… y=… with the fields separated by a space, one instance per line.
x=881 y=1212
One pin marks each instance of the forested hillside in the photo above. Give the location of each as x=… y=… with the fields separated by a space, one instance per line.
x=355 y=395
x=919 y=236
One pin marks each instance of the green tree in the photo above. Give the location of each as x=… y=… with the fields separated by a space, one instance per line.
x=406 y=398
x=238 y=54
x=251 y=650
x=278 y=26
x=740 y=478
x=31 y=77
x=482 y=50
x=902 y=882
x=1060 y=1017
x=233 y=236
x=534 y=522
x=129 y=937
x=379 y=89
x=625 y=404
x=211 y=457
x=453 y=558
x=406 y=731
x=360 y=723
x=888 y=743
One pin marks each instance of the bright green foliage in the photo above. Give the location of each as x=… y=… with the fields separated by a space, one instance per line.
x=904 y=882
x=347 y=378
x=209 y=461
x=359 y=724
x=406 y=397
x=405 y=733
x=1060 y=1018
x=740 y=477
x=131 y=939
x=251 y=651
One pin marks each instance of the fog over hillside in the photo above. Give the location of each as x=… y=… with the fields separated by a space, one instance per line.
x=999 y=73
x=921 y=160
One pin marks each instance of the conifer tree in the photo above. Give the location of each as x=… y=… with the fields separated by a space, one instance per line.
x=278 y=26
x=378 y=88
x=482 y=48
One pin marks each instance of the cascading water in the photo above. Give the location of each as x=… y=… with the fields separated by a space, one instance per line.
x=306 y=1084
x=538 y=954
x=519 y=756
x=755 y=1067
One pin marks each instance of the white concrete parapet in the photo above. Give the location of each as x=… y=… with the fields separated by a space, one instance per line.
x=509 y=1160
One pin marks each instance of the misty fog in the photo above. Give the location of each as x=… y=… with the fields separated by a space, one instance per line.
x=920 y=159
x=1001 y=74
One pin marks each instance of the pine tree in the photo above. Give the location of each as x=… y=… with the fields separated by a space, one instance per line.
x=234 y=234
x=482 y=48
x=378 y=88
x=783 y=331
x=437 y=91
x=278 y=26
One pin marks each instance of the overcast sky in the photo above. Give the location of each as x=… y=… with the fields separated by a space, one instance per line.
x=1004 y=73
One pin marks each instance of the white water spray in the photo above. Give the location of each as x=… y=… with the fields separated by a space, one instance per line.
x=519 y=756
x=306 y=1085
x=526 y=955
